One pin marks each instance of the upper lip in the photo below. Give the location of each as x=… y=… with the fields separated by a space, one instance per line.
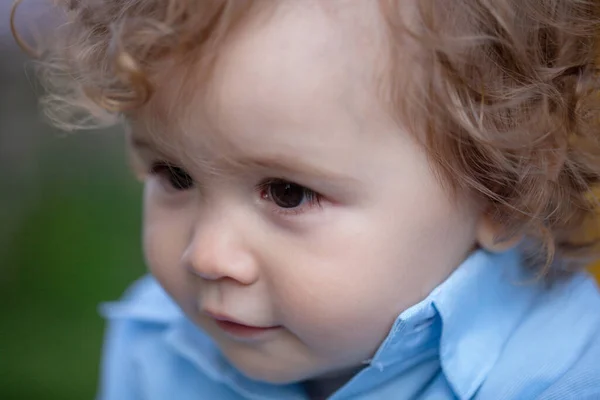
x=226 y=318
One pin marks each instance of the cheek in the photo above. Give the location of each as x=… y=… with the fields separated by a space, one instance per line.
x=343 y=286
x=164 y=242
x=328 y=294
x=436 y=234
x=333 y=323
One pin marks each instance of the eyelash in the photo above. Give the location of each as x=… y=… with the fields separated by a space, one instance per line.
x=173 y=176
x=176 y=179
x=309 y=199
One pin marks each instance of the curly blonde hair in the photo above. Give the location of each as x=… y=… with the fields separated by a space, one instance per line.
x=507 y=102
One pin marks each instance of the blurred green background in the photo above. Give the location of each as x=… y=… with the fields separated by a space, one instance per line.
x=69 y=240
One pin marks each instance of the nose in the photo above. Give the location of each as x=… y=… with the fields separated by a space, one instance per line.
x=217 y=250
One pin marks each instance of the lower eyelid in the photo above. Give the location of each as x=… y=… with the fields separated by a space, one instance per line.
x=303 y=209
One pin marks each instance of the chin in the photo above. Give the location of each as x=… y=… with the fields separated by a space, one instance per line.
x=274 y=372
x=282 y=376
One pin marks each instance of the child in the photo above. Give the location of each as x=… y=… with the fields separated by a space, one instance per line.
x=348 y=199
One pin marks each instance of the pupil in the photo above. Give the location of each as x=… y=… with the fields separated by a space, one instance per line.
x=287 y=195
x=180 y=179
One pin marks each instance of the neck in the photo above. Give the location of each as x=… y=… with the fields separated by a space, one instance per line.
x=323 y=387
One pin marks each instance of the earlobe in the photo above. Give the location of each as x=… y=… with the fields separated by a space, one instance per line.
x=491 y=236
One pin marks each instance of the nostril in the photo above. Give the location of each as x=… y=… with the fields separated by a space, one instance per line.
x=195 y=272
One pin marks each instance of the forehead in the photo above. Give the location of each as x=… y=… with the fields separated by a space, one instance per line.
x=282 y=74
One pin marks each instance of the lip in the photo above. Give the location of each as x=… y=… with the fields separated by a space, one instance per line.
x=239 y=330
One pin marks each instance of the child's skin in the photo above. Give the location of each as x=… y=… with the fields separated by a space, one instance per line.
x=296 y=98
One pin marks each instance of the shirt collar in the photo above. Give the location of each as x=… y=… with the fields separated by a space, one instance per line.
x=474 y=311
x=465 y=322
x=146 y=302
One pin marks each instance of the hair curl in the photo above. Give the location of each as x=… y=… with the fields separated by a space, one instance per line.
x=507 y=102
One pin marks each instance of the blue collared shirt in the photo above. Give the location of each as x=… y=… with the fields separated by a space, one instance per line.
x=490 y=331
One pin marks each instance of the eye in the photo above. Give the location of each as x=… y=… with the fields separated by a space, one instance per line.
x=288 y=195
x=174 y=176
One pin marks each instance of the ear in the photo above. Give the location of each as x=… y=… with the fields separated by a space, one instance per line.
x=491 y=236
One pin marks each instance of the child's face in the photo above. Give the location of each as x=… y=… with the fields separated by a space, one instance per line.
x=292 y=105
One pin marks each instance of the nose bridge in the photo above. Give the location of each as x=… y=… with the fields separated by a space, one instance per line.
x=211 y=234
x=218 y=248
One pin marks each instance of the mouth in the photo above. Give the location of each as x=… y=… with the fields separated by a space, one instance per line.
x=239 y=330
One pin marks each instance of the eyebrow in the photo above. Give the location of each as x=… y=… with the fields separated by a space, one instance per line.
x=281 y=163
x=294 y=167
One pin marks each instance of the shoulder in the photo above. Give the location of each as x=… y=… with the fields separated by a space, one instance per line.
x=555 y=350
x=582 y=380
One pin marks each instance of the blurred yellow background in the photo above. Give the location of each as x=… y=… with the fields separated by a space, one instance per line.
x=596 y=270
